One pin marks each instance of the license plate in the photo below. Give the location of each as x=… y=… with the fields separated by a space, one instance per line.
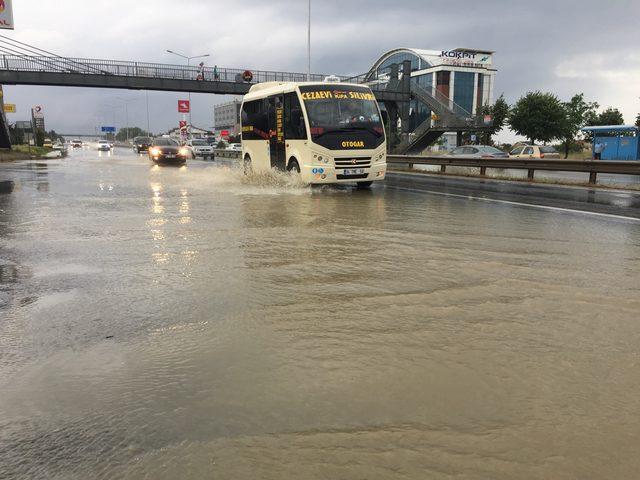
x=170 y=156
x=353 y=171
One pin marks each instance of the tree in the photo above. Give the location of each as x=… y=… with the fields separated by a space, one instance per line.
x=538 y=116
x=577 y=113
x=499 y=112
x=40 y=137
x=130 y=132
x=638 y=121
x=610 y=116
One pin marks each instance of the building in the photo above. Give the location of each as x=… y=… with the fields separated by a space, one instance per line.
x=193 y=132
x=462 y=78
x=226 y=117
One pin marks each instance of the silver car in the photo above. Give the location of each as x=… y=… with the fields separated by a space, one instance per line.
x=478 y=151
x=199 y=148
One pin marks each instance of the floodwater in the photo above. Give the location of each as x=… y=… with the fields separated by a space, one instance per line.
x=188 y=323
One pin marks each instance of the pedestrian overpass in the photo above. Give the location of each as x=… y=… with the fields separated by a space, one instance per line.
x=21 y=64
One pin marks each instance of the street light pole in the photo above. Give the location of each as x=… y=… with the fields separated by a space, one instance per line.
x=309 y=43
x=148 y=123
x=188 y=59
x=126 y=113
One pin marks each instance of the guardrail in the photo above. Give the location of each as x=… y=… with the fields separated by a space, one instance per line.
x=88 y=66
x=222 y=153
x=592 y=167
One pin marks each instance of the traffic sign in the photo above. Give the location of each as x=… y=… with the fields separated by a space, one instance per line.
x=6 y=14
x=108 y=129
x=9 y=108
x=184 y=106
x=37 y=112
x=183 y=124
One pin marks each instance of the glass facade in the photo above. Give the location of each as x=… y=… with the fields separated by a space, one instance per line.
x=417 y=62
x=463 y=90
x=419 y=112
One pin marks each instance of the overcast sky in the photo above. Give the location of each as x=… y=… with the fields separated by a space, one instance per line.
x=561 y=46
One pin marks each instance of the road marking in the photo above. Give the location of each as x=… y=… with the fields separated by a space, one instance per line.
x=520 y=204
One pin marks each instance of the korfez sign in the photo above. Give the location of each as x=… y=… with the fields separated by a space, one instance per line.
x=6 y=14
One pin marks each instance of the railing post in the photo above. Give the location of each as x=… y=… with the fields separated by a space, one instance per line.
x=443 y=169
x=483 y=171
x=592 y=177
x=530 y=173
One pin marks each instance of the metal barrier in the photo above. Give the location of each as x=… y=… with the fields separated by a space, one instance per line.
x=592 y=167
x=222 y=153
x=86 y=66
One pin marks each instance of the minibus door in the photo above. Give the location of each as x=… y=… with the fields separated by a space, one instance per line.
x=276 y=132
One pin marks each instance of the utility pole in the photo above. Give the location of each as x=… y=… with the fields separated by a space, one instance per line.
x=309 y=43
x=148 y=123
x=188 y=59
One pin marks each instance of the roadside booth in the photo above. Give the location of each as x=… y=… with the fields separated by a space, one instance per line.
x=620 y=141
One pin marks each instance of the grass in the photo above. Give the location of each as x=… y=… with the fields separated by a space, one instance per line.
x=37 y=151
x=21 y=152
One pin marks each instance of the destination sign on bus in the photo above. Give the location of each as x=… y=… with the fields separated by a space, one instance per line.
x=337 y=94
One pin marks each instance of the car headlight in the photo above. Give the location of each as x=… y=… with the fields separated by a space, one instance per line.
x=184 y=151
x=155 y=151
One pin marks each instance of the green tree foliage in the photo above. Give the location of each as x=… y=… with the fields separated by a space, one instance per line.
x=610 y=116
x=499 y=112
x=130 y=133
x=638 y=121
x=538 y=116
x=40 y=137
x=578 y=112
x=16 y=135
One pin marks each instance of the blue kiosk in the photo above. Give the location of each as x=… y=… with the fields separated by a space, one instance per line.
x=620 y=141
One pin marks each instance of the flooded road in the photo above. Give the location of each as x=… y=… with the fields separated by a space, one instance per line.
x=189 y=323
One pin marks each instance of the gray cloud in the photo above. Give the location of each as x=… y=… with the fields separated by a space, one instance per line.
x=559 y=46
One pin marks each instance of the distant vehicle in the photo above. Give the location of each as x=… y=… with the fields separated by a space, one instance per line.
x=142 y=144
x=76 y=143
x=199 y=148
x=478 y=151
x=211 y=141
x=48 y=143
x=104 y=146
x=235 y=147
x=534 y=151
x=166 y=150
x=328 y=132
x=60 y=147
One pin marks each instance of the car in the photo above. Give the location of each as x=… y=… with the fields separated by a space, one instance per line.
x=76 y=143
x=236 y=147
x=142 y=144
x=534 y=151
x=478 y=151
x=167 y=150
x=104 y=146
x=48 y=143
x=199 y=148
x=60 y=147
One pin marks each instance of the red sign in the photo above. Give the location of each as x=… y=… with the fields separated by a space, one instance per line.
x=183 y=106
x=183 y=124
x=224 y=133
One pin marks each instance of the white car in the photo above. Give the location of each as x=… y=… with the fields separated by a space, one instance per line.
x=235 y=147
x=199 y=148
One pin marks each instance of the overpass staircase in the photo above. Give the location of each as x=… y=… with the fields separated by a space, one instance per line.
x=446 y=116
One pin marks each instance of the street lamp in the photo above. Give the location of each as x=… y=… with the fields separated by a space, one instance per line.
x=309 y=43
x=188 y=59
x=126 y=102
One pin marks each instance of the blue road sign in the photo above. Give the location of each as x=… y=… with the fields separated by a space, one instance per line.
x=108 y=129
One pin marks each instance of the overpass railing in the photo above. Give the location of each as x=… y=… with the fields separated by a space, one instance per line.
x=53 y=64
x=592 y=167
